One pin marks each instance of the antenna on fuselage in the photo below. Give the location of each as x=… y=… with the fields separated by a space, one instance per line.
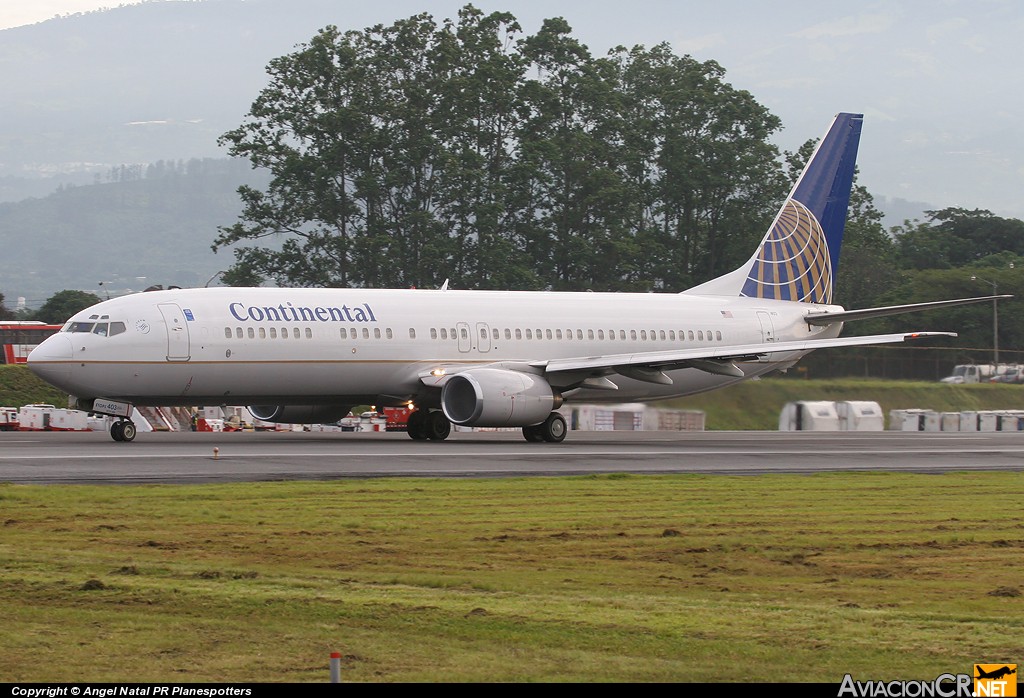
x=444 y=286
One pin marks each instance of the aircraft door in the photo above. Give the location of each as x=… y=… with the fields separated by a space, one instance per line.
x=767 y=326
x=178 y=348
x=465 y=339
x=483 y=335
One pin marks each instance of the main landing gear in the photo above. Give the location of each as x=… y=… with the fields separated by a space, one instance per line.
x=433 y=425
x=552 y=430
x=123 y=430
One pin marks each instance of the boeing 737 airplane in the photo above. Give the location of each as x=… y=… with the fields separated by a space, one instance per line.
x=474 y=358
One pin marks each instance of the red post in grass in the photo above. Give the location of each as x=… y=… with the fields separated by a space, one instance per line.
x=335 y=667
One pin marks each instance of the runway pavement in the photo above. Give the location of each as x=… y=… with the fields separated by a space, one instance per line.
x=62 y=457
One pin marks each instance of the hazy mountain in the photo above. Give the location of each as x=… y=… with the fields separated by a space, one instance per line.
x=139 y=227
x=140 y=83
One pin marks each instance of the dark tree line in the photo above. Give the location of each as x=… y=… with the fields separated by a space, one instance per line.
x=407 y=154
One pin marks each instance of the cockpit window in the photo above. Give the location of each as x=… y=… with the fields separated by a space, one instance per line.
x=103 y=329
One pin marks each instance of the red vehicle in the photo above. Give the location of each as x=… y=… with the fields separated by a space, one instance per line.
x=18 y=338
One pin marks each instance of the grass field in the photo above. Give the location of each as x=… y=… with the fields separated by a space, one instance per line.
x=612 y=578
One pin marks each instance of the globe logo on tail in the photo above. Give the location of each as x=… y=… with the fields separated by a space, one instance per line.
x=793 y=262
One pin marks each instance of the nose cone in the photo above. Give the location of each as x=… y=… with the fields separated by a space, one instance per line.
x=51 y=360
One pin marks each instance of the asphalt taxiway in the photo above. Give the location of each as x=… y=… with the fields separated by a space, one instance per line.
x=63 y=457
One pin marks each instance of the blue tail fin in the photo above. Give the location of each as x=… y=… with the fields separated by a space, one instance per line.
x=798 y=258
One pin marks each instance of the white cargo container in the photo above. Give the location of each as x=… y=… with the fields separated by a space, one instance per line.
x=968 y=420
x=988 y=421
x=809 y=415
x=950 y=421
x=1010 y=420
x=69 y=420
x=8 y=418
x=860 y=415
x=34 y=417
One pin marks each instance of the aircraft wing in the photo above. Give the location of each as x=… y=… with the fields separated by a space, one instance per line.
x=649 y=365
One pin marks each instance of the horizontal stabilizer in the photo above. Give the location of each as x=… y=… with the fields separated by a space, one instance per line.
x=848 y=315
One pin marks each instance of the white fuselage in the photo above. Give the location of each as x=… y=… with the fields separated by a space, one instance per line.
x=349 y=346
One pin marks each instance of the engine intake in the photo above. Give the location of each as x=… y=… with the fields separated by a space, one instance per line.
x=495 y=397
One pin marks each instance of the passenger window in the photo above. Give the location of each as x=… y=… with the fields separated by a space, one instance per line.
x=718 y=335
x=366 y=333
x=508 y=333
x=710 y=336
x=295 y=332
x=309 y=333
x=579 y=334
x=433 y=333
x=568 y=334
x=238 y=333
x=344 y=333
x=590 y=334
x=632 y=335
x=622 y=335
x=643 y=334
x=117 y=328
x=600 y=334
x=252 y=333
x=558 y=334
x=690 y=334
x=412 y=333
x=672 y=335
x=376 y=333
x=284 y=333
x=662 y=335
x=273 y=333
x=465 y=333
x=519 y=333
x=227 y=333
x=494 y=334
x=263 y=333
x=700 y=335
x=483 y=333
x=529 y=333
x=444 y=333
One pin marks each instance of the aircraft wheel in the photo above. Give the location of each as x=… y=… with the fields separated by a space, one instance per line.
x=553 y=429
x=117 y=431
x=128 y=431
x=438 y=426
x=417 y=425
x=533 y=434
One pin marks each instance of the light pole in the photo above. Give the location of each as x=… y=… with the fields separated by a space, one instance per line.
x=995 y=318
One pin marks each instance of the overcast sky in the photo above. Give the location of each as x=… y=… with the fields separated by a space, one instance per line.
x=940 y=81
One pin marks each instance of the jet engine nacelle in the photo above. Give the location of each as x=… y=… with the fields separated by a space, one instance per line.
x=495 y=397
x=299 y=414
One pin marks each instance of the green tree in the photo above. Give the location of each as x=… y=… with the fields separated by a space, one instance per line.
x=63 y=304
x=407 y=154
x=955 y=237
x=5 y=312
